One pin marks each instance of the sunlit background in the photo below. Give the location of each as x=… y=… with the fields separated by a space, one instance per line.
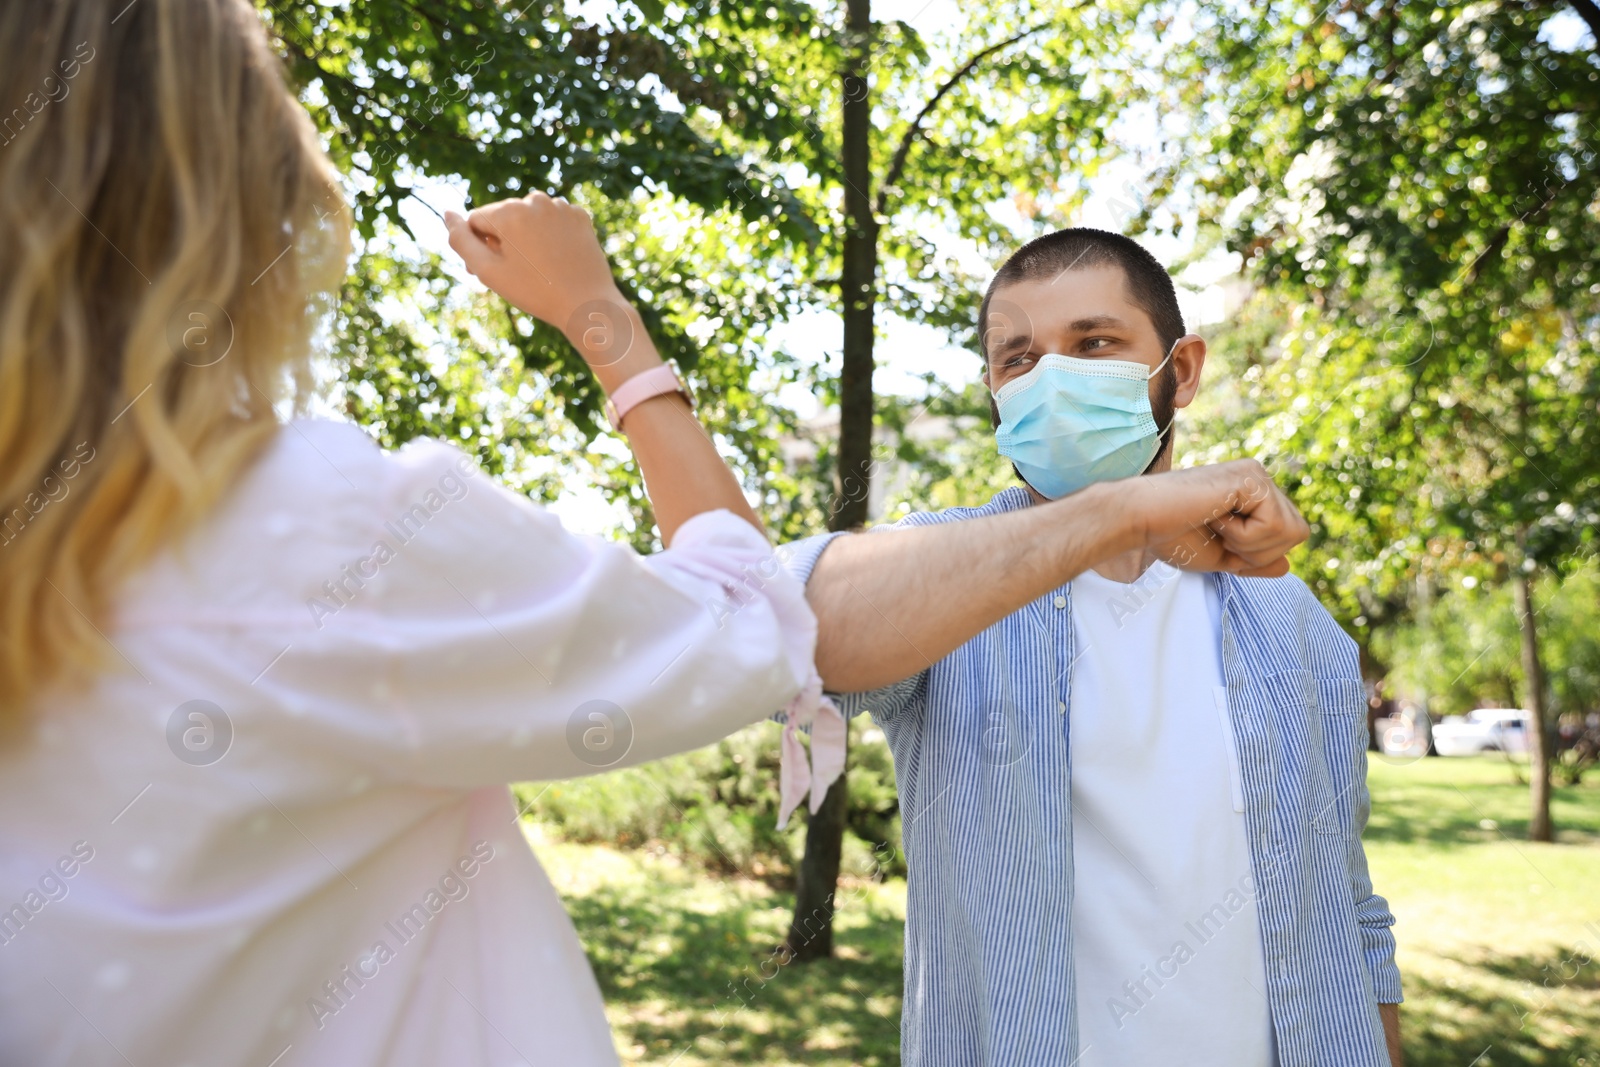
x=1384 y=217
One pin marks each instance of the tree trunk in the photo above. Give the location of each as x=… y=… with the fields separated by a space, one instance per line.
x=811 y=931
x=1425 y=624
x=1539 y=828
x=857 y=281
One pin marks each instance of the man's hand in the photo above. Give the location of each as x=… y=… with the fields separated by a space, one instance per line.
x=1223 y=517
x=890 y=604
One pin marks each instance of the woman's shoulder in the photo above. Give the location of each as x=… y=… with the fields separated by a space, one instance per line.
x=316 y=453
x=331 y=466
x=324 y=497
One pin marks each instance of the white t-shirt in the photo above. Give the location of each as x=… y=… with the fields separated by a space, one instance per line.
x=1168 y=954
x=320 y=863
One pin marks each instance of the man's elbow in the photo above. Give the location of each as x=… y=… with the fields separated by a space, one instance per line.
x=860 y=647
x=847 y=663
x=854 y=656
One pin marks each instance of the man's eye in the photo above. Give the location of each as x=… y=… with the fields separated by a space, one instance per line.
x=1096 y=342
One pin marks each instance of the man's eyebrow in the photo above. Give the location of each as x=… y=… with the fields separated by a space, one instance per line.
x=1099 y=322
x=1021 y=340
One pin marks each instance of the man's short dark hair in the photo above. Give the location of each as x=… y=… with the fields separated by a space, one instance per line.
x=1149 y=284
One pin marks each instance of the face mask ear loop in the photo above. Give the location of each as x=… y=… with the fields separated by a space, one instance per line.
x=1164 y=362
x=1161 y=438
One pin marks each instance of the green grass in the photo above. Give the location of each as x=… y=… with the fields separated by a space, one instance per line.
x=1499 y=938
x=687 y=964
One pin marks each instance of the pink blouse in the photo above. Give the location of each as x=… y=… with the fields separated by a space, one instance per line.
x=276 y=829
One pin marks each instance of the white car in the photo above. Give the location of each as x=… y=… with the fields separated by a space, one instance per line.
x=1483 y=730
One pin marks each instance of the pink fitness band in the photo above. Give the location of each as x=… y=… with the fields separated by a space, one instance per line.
x=641 y=387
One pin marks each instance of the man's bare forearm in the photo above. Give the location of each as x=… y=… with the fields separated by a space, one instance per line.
x=890 y=604
x=893 y=603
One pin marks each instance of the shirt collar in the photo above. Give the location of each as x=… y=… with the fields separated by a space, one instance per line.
x=1015 y=498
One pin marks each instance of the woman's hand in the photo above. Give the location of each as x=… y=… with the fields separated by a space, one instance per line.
x=539 y=252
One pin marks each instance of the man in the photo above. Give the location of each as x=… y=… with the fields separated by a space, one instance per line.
x=1132 y=807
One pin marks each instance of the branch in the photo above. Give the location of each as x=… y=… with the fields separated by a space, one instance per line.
x=898 y=165
x=1498 y=242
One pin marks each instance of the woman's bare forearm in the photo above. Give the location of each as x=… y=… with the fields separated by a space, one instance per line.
x=542 y=255
x=683 y=473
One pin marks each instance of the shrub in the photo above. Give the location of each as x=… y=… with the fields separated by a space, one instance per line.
x=717 y=807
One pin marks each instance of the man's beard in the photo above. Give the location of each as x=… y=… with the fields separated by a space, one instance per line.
x=1164 y=411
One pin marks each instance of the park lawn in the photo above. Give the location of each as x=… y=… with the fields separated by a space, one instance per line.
x=687 y=966
x=1499 y=938
x=1496 y=937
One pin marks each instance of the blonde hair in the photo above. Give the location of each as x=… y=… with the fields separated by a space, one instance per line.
x=168 y=220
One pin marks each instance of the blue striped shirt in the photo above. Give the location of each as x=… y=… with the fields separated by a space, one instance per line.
x=983 y=768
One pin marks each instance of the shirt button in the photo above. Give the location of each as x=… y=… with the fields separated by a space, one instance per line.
x=1061 y=601
x=1061 y=707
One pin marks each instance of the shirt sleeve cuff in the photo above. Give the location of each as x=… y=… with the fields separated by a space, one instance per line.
x=722 y=560
x=1385 y=973
x=719 y=547
x=799 y=558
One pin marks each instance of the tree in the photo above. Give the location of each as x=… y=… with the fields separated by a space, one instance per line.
x=1045 y=82
x=1424 y=180
x=745 y=163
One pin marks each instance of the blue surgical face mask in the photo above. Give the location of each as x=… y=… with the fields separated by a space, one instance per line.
x=1071 y=422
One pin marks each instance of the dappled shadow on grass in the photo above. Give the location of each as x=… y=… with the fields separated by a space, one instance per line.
x=1507 y=1011
x=1449 y=802
x=1444 y=828
x=686 y=974
x=1570 y=970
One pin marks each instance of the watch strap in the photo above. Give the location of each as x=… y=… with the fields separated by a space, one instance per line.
x=654 y=382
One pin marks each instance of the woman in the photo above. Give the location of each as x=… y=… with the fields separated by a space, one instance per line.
x=264 y=683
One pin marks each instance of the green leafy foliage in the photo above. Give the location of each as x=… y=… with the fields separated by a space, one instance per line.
x=513 y=98
x=717 y=808
x=450 y=374
x=1466 y=655
x=1415 y=189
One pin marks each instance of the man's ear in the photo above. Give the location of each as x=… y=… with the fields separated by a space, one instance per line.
x=1188 y=359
